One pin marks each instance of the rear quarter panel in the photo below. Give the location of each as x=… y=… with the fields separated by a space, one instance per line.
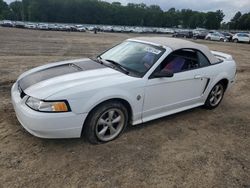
x=224 y=70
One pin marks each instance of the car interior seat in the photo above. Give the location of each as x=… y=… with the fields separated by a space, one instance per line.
x=175 y=65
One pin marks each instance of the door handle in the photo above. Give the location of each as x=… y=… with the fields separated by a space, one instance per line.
x=197 y=77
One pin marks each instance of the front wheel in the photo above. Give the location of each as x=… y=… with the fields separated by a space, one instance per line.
x=106 y=122
x=235 y=40
x=215 y=96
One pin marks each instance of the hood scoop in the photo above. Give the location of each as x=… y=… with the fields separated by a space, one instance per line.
x=55 y=71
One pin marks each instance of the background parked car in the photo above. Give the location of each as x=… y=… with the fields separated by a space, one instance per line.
x=241 y=37
x=30 y=26
x=228 y=35
x=52 y=27
x=216 y=37
x=183 y=34
x=200 y=33
x=43 y=26
x=81 y=29
x=19 y=25
x=7 y=23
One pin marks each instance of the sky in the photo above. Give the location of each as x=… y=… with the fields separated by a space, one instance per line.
x=229 y=7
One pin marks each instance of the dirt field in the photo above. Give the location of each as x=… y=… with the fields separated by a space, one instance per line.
x=196 y=148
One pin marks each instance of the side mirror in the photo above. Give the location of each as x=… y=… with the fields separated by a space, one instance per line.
x=163 y=74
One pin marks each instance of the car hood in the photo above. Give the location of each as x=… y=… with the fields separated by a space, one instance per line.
x=45 y=81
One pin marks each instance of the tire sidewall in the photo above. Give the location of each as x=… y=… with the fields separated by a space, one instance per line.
x=235 y=40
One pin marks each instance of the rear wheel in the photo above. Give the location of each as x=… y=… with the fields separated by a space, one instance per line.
x=235 y=40
x=106 y=122
x=215 y=96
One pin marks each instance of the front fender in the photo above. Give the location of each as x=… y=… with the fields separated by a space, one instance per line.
x=107 y=95
x=87 y=100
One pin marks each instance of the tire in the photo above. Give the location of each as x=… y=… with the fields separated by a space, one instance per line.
x=235 y=40
x=99 y=127
x=208 y=38
x=222 y=40
x=215 y=96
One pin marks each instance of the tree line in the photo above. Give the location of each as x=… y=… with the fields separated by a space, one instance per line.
x=101 y=12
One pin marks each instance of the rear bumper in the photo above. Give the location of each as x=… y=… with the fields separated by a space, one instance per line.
x=46 y=125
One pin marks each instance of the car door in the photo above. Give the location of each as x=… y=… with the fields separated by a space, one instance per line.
x=213 y=36
x=240 y=38
x=244 y=38
x=216 y=37
x=185 y=88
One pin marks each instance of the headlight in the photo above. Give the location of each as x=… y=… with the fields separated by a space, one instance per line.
x=47 y=106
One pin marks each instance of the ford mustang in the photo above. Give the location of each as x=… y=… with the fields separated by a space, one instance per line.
x=139 y=80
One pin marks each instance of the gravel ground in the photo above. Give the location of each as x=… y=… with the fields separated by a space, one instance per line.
x=195 y=148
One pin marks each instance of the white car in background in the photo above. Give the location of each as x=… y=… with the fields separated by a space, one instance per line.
x=80 y=28
x=134 y=82
x=7 y=23
x=43 y=26
x=216 y=37
x=241 y=37
x=30 y=26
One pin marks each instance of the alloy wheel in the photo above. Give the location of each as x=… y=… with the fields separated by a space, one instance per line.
x=216 y=95
x=110 y=124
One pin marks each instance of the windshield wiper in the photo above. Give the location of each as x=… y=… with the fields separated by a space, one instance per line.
x=119 y=66
x=107 y=62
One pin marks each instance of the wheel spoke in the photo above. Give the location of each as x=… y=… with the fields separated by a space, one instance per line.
x=215 y=99
x=212 y=99
x=219 y=92
x=103 y=131
x=117 y=119
x=216 y=89
x=112 y=129
x=111 y=114
x=102 y=122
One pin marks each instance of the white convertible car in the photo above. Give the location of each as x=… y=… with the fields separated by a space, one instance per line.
x=139 y=80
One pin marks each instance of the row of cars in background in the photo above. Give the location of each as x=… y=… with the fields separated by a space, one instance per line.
x=198 y=33
x=213 y=35
x=84 y=27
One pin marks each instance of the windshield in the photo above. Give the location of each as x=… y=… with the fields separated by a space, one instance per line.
x=135 y=57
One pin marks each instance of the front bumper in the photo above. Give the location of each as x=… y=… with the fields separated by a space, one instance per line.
x=46 y=125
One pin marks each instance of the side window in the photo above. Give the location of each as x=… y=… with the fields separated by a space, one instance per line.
x=203 y=61
x=178 y=61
